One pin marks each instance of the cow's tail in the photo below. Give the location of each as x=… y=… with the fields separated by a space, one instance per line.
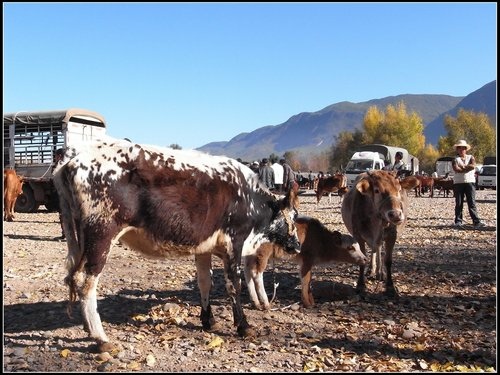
x=69 y=209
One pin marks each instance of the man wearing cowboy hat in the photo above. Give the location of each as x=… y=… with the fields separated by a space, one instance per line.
x=464 y=181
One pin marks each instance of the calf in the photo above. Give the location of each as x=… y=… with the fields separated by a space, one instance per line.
x=163 y=202
x=12 y=188
x=318 y=246
x=330 y=185
x=375 y=212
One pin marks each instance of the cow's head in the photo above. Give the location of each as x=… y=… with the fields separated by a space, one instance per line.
x=385 y=191
x=349 y=247
x=282 y=230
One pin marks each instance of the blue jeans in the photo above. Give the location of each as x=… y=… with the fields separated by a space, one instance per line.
x=467 y=191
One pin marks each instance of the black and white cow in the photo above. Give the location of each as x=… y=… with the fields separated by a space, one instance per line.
x=162 y=201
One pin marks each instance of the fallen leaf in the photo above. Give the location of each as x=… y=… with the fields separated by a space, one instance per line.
x=216 y=342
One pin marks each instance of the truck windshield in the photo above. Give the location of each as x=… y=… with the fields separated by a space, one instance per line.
x=359 y=165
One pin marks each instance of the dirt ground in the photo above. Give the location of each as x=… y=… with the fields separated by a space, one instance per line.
x=443 y=320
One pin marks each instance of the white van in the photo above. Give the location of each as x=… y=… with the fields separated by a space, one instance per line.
x=487 y=177
x=360 y=162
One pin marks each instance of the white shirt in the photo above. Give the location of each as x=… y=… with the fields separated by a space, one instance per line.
x=278 y=173
x=462 y=178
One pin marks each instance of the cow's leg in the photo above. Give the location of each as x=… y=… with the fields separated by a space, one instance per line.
x=84 y=282
x=233 y=286
x=262 y=260
x=261 y=291
x=361 y=285
x=87 y=291
x=8 y=210
x=204 y=274
x=377 y=264
x=84 y=272
x=305 y=279
x=12 y=207
x=251 y=274
x=390 y=241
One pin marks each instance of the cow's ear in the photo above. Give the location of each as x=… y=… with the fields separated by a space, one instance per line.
x=363 y=186
x=291 y=200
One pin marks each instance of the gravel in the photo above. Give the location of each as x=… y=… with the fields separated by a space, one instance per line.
x=443 y=320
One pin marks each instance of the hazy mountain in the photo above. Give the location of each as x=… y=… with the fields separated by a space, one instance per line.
x=481 y=100
x=313 y=132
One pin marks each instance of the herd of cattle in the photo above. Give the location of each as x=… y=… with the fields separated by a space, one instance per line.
x=166 y=202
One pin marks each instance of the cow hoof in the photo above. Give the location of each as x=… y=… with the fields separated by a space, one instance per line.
x=391 y=293
x=246 y=332
x=105 y=347
x=211 y=327
x=361 y=288
x=308 y=303
x=258 y=306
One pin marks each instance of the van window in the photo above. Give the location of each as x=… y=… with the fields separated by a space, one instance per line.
x=360 y=165
x=488 y=170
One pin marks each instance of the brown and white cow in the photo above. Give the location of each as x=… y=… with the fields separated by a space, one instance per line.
x=331 y=184
x=375 y=212
x=12 y=188
x=319 y=245
x=165 y=202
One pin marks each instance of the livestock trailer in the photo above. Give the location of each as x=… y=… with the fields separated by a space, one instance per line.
x=31 y=140
x=443 y=166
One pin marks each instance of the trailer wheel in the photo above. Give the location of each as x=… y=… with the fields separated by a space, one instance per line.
x=26 y=201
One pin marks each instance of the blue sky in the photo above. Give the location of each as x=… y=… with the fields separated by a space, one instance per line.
x=194 y=73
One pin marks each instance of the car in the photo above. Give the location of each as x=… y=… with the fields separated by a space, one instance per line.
x=487 y=177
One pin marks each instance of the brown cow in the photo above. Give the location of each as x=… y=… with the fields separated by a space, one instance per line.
x=12 y=188
x=319 y=245
x=330 y=185
x=426 y=182
x=411 y=180
x=444 y=185
x=374 y=212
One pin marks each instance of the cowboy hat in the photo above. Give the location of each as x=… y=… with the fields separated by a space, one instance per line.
x=462 y=143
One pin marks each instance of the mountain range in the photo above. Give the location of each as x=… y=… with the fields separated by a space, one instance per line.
x=314 y=132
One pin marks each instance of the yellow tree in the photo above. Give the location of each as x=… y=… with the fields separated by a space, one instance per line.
x=373 y=125
x=475 y=128
x=395 y=127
